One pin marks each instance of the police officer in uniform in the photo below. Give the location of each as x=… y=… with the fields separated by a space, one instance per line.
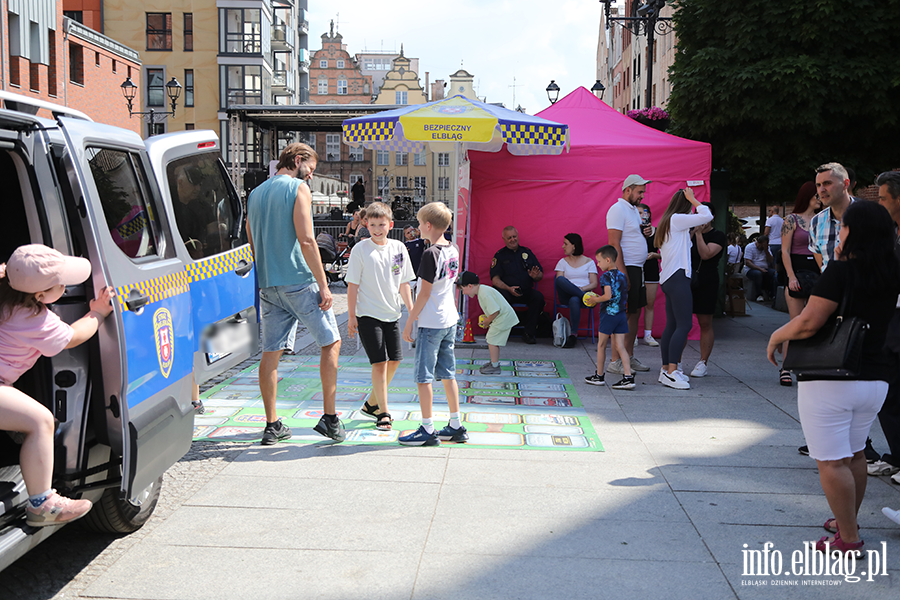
x=514 y=270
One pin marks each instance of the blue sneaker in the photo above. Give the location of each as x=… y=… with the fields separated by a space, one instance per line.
x=448 y=434
x=420 y=437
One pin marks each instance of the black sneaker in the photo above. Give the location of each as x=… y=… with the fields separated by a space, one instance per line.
x=448 y=434
x=804 y=450
x=528 y=338
x=274 y=433
x=626 y=383
x=595 y=379
x=333 y=430
x=198 y=406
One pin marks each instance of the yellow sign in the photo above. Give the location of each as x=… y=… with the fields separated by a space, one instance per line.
x=456 y=120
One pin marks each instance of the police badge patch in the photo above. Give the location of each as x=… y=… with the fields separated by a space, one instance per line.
x=493 y=262
x=163 y=335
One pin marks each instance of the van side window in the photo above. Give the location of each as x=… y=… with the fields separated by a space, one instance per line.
x=121 y=184
x=206 y=208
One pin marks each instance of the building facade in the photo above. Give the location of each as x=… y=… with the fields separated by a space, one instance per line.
x=337 y=78
x=48 y=56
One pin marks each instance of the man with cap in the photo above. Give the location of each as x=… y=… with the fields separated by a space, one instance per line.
x=514 y=270
x=627 y=236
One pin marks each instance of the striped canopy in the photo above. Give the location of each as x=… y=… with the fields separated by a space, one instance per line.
x=456 y=120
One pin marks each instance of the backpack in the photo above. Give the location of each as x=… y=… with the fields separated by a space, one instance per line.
x=561 y=330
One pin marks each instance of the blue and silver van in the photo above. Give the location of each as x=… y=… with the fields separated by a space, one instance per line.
x=161 y=223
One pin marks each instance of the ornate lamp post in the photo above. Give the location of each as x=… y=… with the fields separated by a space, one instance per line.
x=598 y=89
x=644 y=19
x=173 y=91
x=553 y=92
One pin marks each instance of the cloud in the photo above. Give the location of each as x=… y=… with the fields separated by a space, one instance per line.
x=495 y=40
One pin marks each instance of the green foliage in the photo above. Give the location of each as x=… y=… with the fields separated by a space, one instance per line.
x=778 y=88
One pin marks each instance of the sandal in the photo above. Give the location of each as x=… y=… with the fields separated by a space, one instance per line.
x=786 y=381
x=838 y=544
x=831 y=525
x=384 y=422
x=370 y=410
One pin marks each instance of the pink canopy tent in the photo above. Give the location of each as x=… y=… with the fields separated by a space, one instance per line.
x=546 y=197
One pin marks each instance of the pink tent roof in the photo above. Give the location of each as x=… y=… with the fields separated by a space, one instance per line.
x=546 y=197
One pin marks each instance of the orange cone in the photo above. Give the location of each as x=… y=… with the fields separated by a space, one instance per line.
x=468 y=338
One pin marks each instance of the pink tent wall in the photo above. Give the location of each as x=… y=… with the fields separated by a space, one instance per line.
x=546 y=197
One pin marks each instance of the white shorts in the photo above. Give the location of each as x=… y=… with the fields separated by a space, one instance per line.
x=836 y=415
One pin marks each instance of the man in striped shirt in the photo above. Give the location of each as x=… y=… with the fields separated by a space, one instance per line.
x=833 y=189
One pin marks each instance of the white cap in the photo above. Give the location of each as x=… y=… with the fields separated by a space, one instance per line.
x=634 y=180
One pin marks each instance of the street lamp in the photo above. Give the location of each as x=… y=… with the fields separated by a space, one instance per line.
x=553 y=92
x=644 y=19
x=598 y=88
x=129 y=90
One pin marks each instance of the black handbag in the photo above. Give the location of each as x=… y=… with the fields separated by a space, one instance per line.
x=834 y=352
x=807 y=280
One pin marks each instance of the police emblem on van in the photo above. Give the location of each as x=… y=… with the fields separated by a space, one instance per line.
x=163 y=334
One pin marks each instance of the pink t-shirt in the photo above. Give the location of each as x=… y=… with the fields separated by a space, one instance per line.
x=25 y=337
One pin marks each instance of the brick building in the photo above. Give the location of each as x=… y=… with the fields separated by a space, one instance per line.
x=51 y=57
x=336 y=78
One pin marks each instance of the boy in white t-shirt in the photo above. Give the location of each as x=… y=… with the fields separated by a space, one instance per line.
x=499 y=317
x=378 y=278
x=435 y=309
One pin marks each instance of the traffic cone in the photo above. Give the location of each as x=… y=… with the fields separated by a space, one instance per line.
x=468 y=338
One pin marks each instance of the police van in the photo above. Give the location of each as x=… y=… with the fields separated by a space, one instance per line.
x=162 y=224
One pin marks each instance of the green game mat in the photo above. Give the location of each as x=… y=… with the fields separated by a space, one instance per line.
x=531 y=405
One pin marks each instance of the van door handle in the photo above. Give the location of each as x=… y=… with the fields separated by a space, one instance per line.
x=136 y=301
x=243 y=267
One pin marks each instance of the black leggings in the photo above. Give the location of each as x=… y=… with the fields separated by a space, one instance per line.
x=679 y=317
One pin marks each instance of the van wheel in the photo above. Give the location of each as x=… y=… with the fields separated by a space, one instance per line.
x=112 y=514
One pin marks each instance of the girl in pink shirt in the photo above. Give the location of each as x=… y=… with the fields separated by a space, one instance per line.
x=34 y=277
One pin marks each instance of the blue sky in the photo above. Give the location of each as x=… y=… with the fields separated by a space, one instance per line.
x=495 y=40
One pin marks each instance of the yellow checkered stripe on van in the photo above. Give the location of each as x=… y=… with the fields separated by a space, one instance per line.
x=541 y=135
x=173 y=284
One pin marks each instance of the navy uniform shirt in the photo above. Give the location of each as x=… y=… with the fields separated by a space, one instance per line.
x=512 y=267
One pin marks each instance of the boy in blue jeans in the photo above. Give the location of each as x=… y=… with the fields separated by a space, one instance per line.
x=435 y=309
x=613 y=320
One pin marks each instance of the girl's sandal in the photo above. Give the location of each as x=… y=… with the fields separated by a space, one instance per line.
x=369 y=409
x=785 y=380
x=384 y=422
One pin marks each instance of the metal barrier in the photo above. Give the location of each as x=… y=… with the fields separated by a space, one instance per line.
x=334 y=231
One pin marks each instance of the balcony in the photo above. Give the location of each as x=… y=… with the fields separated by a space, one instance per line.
x=303 y=23
x=282 y=82
x=283 y=37
x=303 y=96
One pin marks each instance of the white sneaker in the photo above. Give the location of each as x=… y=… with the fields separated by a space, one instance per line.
x=637 y=365
x=680 y=374
x=896 y=478
x=615 y=366
x=673 y=381
x=893 y=515
x=879 y=467
x=700 y=370
x=648 y=340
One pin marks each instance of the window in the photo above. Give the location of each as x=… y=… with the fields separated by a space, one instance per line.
x=332 y=147
x=356 y=154
x=188 y=126
x=323 y=87
x=241 y=84
x=443 y=159
x=399 y=97
x=419 y=183
x=383 y=182
x=443 y=183
x=188 y=32
x=342 y=87
x=323 y=64
x=156 y=87
x=51 y=65
x=75 y=15
x=402 y=182
x=383 y=158
x=159 y=31
x=114 y=65
x=188 y=87
x=240 y=31
x=96 y=59
x=401 y=159
x=76 y=63
x=204 y=203
x=123 y=190
x=340 y=64
x=420 y=158
x=155 y=129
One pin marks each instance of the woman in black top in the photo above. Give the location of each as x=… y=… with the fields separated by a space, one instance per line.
x=836 y=414
x=706 y=254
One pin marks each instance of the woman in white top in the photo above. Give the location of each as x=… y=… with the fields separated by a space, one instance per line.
x=673 y=238
x=575 y=275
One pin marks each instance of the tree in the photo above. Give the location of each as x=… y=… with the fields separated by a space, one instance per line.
x=779 y=88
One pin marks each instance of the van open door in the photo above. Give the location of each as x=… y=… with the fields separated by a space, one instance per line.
x=209 y=218
x=146 y=344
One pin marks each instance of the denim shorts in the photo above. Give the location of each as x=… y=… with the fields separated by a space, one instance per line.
x=281 y=307
x=434 y=354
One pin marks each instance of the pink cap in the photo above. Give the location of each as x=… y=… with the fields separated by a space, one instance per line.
x=35 y=268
